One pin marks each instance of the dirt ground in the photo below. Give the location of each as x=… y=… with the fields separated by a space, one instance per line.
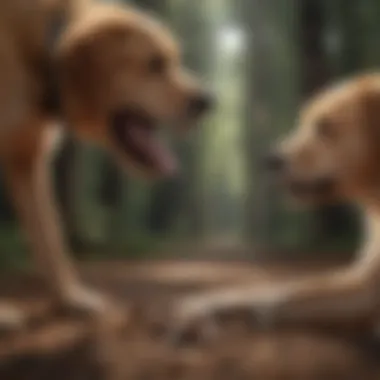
x=73 y=348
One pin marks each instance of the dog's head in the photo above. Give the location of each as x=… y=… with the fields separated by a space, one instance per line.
x=334 y=153
x=122 y=78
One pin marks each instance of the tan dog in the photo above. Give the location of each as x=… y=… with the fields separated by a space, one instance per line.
x=333 y=154
x=119 y=76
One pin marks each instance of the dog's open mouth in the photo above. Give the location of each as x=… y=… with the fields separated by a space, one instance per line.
x=134 y=132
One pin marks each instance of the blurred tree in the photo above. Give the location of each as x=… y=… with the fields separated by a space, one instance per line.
x=271 y=96
x=165 y=201
x=113 y=188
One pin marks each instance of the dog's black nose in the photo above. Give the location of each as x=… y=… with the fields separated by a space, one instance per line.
x=274 y=162
x=201 y=104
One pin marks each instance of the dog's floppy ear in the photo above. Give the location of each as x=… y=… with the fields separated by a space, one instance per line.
x=75 y=65
x=76 y=71
x=85 y=52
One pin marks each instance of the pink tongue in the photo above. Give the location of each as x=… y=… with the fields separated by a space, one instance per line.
x=150 y=146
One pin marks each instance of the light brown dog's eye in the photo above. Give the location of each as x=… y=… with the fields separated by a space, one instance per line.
x=325 y=129
x=157 y=65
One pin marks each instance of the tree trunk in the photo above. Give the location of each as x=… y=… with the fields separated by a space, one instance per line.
x=271 y=96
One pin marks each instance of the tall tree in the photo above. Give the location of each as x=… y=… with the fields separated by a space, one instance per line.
x=271 y=95
x=192 y=27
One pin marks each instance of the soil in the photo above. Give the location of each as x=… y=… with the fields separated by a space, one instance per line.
x=61 y=347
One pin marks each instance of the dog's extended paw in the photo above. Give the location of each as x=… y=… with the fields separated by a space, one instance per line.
x=12 y=319
x=200 y=318
x=191 y=323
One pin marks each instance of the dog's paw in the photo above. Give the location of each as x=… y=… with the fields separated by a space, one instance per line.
x=201 y=319
x=12 y=319
x=191 y=323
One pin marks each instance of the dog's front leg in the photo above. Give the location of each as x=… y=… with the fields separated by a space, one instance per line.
x=31 y=189
x=342 y=295
x=347 y=294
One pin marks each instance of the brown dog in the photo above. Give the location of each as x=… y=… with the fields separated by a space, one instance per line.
x=115 y=75
x=333 y=154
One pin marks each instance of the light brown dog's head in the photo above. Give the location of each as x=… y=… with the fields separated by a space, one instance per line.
x=121 y=78
x=334 y=153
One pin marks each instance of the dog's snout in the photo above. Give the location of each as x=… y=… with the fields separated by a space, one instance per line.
x=201 y=104
x=274 y=162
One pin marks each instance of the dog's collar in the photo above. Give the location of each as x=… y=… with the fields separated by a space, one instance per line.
x=51 y=98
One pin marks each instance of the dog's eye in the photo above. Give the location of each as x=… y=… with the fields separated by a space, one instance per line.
x=157 y=65
x=325 y=129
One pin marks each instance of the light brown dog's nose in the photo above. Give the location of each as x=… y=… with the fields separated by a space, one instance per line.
x=201 y=104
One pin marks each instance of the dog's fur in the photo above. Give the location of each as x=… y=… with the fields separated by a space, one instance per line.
x=102 y=58
x=337 y=142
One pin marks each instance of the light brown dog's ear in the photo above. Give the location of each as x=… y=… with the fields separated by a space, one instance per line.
x=77 y=73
